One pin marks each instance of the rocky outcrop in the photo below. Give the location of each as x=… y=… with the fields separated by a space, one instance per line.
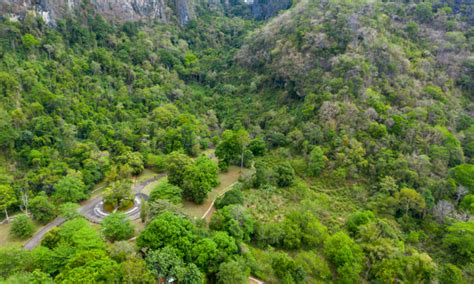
x=181 y=11
x=264 y=9
x=113 y=10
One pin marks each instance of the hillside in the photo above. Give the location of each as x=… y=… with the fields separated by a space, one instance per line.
x=354 y=121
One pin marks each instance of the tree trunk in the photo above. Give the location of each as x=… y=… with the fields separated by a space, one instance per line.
x=6 y=214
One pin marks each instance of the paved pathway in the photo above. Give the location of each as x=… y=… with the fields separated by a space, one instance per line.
x=87 y=210
x=36 y=239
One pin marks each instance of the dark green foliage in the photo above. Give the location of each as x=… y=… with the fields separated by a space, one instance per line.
x=287 y=269
x=168 y=229
x=233 y=196
x=42 y=209
x=69 y=189
x=14 y=259
x=346 y=255
x=316 y=161
x=258 y=146
x=176 y=163
x=359 y=218
x=164 y=263
x=234 y=220
x=117 y=227
x=451 y=274
x=383 y=89
x=231 y=149
x=22 y=227
x=285 y=174
x=199 y=179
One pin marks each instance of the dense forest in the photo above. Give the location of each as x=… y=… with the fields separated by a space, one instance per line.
x=350 y=124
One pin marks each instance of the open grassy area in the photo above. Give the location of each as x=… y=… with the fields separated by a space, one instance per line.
x=147 y=189
x=7 y=239
x=226 y=180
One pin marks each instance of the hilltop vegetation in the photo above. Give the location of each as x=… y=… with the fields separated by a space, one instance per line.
x=355 y=117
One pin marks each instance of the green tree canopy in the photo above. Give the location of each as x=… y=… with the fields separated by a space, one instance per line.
x=117 y=227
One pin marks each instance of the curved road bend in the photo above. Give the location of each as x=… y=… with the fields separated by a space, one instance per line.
x=83 y=210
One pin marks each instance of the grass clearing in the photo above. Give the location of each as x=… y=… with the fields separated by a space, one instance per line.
x=147 y=189
x=226 y=179
x=6 y=239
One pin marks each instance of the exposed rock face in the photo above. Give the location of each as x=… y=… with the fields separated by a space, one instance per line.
x=264 y=9
x=133 y=10
x=114 y=10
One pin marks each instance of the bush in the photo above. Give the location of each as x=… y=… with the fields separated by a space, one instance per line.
x=22 y=227
x=166 y=191
x=233 y=196
x=42 y=209
x=285 y=175
x=117 y=227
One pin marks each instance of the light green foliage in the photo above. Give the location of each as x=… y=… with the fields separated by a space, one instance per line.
x=346 y=255
x=134 y=270
x=70 y=189
x=90 y=266
x=68 y=210
x=120 y=251
x=409 y=199
x=468 y=203
x=460 y=238
x=316 y=161
x=77 y=234
x=233 y=272
x=451 y=274
x=314 y=265
x=287 y=269
x=166 y=191
x=117 y=227
x=29 y=41
x=22 y=227
x=7 y=197
x=384 y=89
x=464 y=175
x=359 y=218
x=119 y=194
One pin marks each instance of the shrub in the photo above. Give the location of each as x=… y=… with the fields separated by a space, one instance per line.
x=22 y=227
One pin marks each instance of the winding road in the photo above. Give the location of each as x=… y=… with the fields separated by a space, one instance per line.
x=88 y=210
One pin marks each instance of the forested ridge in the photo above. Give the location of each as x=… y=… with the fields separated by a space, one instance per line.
x=353 y=121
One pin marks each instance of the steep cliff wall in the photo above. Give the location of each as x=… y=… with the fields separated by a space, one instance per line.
x=114 y=10
x=135 y=10
x=264 y=9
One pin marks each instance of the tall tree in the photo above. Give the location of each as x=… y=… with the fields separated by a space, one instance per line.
x=7 y=198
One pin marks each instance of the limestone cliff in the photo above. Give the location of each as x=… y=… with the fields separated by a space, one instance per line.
x=113 y=10
x=180 y=11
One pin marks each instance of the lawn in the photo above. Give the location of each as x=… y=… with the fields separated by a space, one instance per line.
x=7 y=239
x=226 y=180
